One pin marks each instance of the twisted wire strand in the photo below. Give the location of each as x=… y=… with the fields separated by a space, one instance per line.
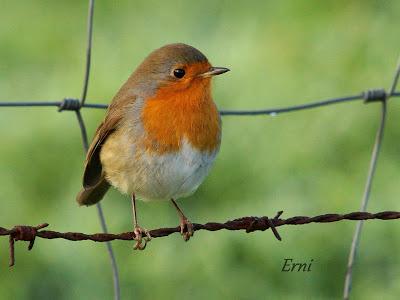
x=248 y=224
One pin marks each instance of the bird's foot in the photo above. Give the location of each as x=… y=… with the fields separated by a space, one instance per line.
x=186 y=229
x=141 y=241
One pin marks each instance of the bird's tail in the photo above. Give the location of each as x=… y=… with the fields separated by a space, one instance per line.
x=93 y=194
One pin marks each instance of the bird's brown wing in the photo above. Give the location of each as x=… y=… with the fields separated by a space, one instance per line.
x=94 y=183
x=93 y=167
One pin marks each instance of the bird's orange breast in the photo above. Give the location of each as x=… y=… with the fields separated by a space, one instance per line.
x=172 y=115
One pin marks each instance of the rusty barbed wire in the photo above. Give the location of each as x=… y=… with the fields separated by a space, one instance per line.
x=248 y=224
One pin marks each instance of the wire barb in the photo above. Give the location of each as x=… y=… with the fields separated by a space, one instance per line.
x=23 y=233
x=265 y=222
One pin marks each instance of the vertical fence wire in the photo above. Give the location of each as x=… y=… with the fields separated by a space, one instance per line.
x=367 y=191
x=368 y=185
x=88 y=51
x=395 y=80
x=82 y=126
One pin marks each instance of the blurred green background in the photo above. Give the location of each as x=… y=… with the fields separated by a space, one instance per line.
x=304 y=163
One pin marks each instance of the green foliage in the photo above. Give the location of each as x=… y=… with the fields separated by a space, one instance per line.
x=306 y=163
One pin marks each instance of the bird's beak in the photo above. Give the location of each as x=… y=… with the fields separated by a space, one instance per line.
x=214 y=71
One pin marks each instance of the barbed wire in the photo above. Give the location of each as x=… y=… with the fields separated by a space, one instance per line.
x=249 y=224
x=71 y=104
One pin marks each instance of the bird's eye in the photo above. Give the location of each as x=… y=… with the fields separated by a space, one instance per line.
x=179 y=73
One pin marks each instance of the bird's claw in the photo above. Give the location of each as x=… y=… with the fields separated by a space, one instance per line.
x=139 y=238
x=186 y=229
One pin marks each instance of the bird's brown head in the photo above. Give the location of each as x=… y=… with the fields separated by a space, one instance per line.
x=174 y=84
x=174 y=68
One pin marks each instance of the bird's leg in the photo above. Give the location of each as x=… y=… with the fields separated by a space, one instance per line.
x=139 y=230
x=186 y=226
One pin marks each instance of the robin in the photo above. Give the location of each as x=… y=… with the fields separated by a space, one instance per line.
x=160 y=135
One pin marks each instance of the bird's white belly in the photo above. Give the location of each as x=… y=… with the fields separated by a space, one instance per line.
x=152 y=176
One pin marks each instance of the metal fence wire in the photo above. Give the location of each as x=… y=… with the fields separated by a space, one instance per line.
x=249 y=224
